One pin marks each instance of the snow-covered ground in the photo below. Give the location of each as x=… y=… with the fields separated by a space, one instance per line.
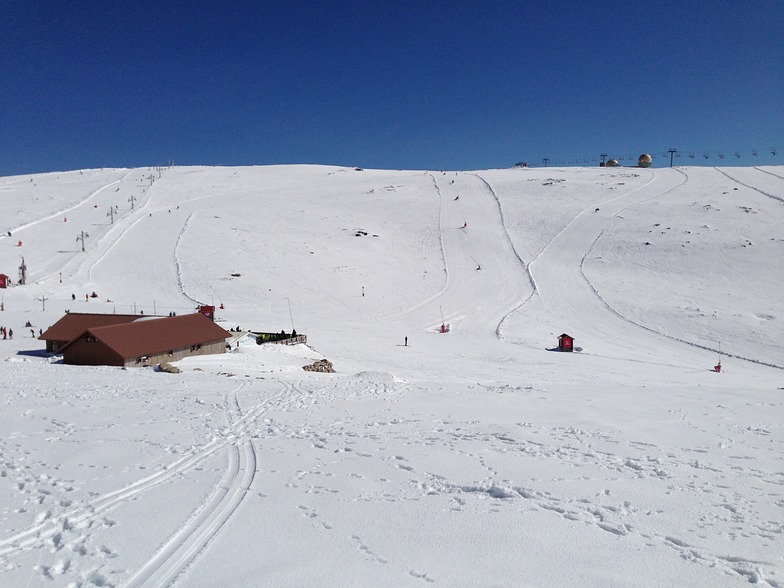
x=476 y=457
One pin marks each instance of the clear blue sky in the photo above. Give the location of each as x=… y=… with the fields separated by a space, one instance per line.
x=398 y=84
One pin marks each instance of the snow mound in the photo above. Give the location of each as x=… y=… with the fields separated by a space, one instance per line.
x=375 y=377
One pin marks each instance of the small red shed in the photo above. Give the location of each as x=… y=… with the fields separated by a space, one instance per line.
x=565 y=342
x=208 y=311
x=4 y=280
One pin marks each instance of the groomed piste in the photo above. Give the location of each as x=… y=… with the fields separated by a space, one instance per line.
x=455 y=445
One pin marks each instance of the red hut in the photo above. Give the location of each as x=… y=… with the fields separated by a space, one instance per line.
x=565 y=342
x=208 y=311
x=4 y=280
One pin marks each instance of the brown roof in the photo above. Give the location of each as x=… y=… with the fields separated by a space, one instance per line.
x=74 y=324
x=157 y=335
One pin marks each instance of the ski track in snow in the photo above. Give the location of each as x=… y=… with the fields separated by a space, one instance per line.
x=655 y=331
x=526 y=267
x=70 y=527
x=172 y=559
x=768 y=194
x=770 y=173
x=447 y=274
x=81 y=516
x=459 y=314
x=68 y=209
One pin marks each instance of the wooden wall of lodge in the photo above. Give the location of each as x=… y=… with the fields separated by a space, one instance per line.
x=84 y=352
x=178 y=354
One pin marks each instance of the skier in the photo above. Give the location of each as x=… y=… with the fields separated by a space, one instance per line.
x=465 y=225
x=406 y=342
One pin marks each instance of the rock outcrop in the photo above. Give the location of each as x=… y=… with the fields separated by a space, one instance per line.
x=322 y=365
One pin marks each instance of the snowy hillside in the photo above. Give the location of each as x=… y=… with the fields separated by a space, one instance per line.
x=475 y=457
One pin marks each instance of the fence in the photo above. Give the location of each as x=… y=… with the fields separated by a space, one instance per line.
x=279 y=338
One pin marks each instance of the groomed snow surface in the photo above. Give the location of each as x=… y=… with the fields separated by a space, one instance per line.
x=475 y=457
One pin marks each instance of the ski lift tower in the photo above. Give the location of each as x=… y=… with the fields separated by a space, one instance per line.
x=22 y=273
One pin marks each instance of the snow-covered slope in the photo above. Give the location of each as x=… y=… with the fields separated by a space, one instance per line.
x=475 y=457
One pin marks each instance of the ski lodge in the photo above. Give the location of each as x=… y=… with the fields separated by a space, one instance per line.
x=132 y=340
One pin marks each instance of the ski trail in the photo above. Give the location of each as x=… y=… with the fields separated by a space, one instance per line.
x=63 y=211
x=81 y=515
x=448 y=278
x=83 y=263
x=607 y=307
x=764 y=171
x=536 y=293
x=178 y=265
x=565 y=292
x=174 y=557
x=525 y=266
x=773 y=196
